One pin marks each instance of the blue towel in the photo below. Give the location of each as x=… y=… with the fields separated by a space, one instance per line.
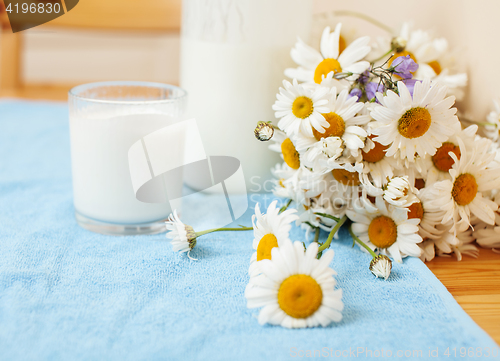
x=69 y=294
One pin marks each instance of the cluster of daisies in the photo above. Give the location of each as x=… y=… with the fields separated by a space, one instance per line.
x=369 y=137
x=369 y=133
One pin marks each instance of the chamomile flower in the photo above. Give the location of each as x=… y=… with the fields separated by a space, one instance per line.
x=377 y=167
x=183 y=237
x=399 y=192
x=460 y=244
x=270 y=230
x=381 y=266
x=321 y=153
x=342 y=121
x=488 y=236
x=492 y=129
x=386 y=229
x=434 y=59
x=295 y=289
x=300 y=108
x=264 y=131
x=437 y=166
x=462 y=195
x=429 y=215
x=414 y=125
x=315 y=66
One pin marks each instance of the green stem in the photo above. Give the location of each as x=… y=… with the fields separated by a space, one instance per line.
x=284 y=208
x=332 y=233
x=316 y=235
x=480 y=123
x=202 y=233
x=364 y=17
x=361 y=242
x=382 y=56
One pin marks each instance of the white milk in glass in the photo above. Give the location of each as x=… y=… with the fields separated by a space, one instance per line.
x=233 y=55
x=101 y=177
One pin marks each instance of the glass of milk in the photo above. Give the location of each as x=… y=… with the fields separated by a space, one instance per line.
x=106 y=119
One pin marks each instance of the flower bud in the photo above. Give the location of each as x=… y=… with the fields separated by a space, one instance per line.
x=264 y=131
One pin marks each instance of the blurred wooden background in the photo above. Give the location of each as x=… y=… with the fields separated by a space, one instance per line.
x=97 y=40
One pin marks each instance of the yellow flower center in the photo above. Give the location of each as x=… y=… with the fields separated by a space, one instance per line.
x=375 y=154
x=435 y=66
x=442 y=159
x=419 y=183
x=414 y=123
x=382 y=232
x=464 y=189
x=335 y=129
x=416 y=211
x=326 y=67
x=302 y=107
x=300 y=296
x=266 y=244
x=290 y=154
x=342 y=44
x=281 y=182
x=345 y=177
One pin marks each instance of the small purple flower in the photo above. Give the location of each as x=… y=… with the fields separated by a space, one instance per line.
x=363 y=78
x=410 y=85
x=356 y=92
x=372 y=88
x=404 y=66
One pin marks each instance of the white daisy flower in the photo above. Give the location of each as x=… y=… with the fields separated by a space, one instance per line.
x=415 y=125
x=183 y=237
x=270 y=230
x=429 y=215
x=432 y=55
x=461 y=244
x=399 y=192
x=315 y=66
x=342 y=121
x=428 y=250
x=436 y=167
x=462 y=195
x=321 y=153
x=386 y=229
x=295 y=289
x=488 y=236
x=492 y=129
x=264 y=131
x=300 y=108
x=381 y=266
x=377 y=167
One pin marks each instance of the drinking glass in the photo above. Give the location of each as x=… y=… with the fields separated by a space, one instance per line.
x=106 y=119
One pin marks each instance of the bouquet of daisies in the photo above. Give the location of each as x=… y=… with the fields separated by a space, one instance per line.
x=370 y=134
x=369 y=139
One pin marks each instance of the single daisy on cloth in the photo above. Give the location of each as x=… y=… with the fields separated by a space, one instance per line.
x=270 y=230
x=295 y=289
x=183 y=237
x=315 y=66
x=299 y=108
x=462 y=195
x=414 y=125
x=386 y=229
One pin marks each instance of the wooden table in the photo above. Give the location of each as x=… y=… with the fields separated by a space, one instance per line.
x=475 y=284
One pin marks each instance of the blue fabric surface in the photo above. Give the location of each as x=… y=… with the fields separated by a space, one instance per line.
x=69 y=294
